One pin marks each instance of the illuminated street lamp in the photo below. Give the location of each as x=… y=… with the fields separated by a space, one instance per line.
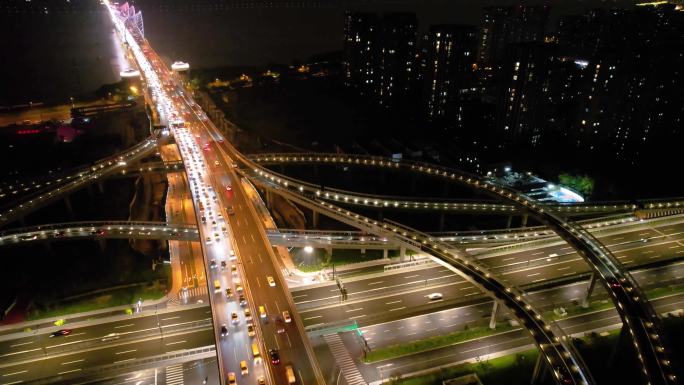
x=308 y=249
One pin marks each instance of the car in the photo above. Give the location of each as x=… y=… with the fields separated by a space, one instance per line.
x=216 y=163
x=216 y=235
x=231 y=255
x=98 y=232
x=645 y=240
x=223 y=265
x=243 y=367
x=250 y=330
x=229 y=188
x=29 y=237
x=212 y=264
x=229 y=293
x=261 y=380
x=248 y=314
x=613 y=282
x=275 y=357
x=242 y=300
x=289 y=373
x=238 y=287
x=231 y=379
x=207 y=240
x=59 y=234
x=213 y=224
x=233 y=269
x=224 y=330
x=434 y=296
x=110 y=337
x=262 y=311
x=223 y=228
x=271 y=281
x=234 y=318
x=286 y=316
x=60 y=333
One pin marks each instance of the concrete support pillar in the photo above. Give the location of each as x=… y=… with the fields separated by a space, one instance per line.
x=329 y=250
x=523 y=220
x=67 y=203
x=509 y=222
x=102 y=243
x=48 y=248
x=402 y=253
x=539 y=371
x=380 y=215
x=91 y=194
x=492 y=318
x=315 y=218
x=363 y=251
x=623 y=343
x=385 y=254
x=445 y=189
x=442 y=217
x=413 y=183
x=590 y=290
x=267 y=197
x=100 y=187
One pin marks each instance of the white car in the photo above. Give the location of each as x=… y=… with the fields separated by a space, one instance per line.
x=286 y=316
x=434 y=296
x=271 y=281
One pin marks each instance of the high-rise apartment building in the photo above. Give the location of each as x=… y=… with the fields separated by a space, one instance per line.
x=448 y=73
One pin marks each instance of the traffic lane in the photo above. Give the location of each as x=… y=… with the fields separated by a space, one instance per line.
x=544 y=300
x=17 y=348
x=236 y=346
x=615 y=243
x=74 y=363
x=390 y=304
x=508 y=340
x=258 y=265
x=377 y=283
x=571 y=263
x=565 y=265
x=454 y=319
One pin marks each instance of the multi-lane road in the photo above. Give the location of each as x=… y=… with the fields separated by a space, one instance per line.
x=397 y=293
x=101 y=342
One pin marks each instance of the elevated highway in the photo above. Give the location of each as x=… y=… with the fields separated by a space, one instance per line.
x=668 y=205
x=557 y=350
x=631 y=303
x=39 y=195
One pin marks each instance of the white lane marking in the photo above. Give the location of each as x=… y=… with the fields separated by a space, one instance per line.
x=128 y=359
x=252 y=235
x=123 y=326
x=351 y=310
x=398 y=308
x=75 y=334
x=22 y=343
x=72 y=362
x=357 y=316
x=175 y=343
x=533 y=274
x=127 y=351
x=15 y=373
x=391 y=302
x=70 y=371
x=412 y=276
x=375 y=283
x=314 y=317
x=170 y=318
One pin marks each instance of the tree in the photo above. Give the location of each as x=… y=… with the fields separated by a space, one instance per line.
x=581 y=183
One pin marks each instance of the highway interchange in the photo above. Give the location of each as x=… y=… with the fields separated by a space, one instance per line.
x=372 y=300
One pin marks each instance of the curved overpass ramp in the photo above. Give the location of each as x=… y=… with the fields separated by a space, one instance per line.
x=631 y=303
